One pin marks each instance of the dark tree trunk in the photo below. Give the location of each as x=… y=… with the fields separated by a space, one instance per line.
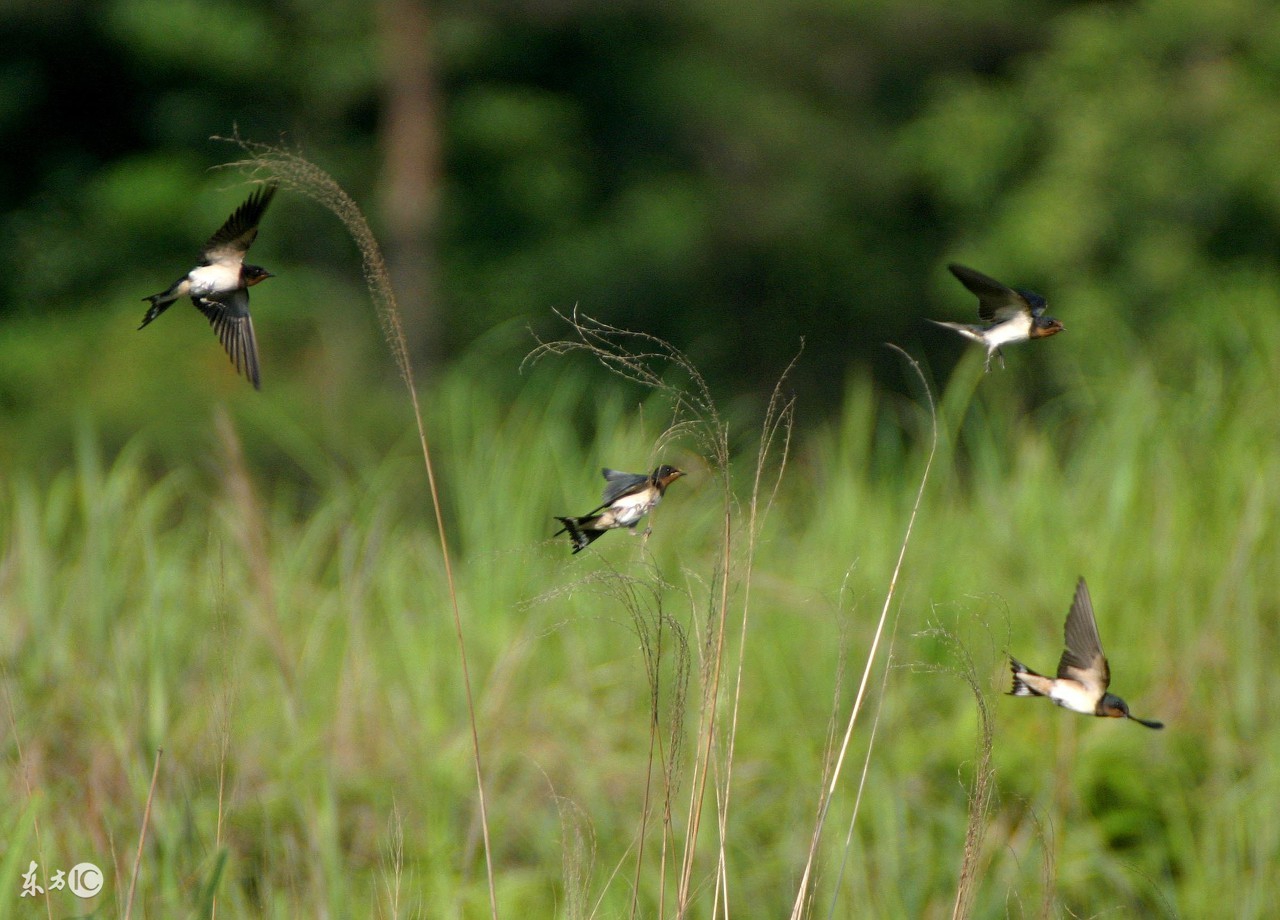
x=410 y=140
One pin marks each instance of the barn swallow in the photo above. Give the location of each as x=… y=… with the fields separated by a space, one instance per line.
x=1083 y=673
x=1010 y=316
x=627 y=498
x=219 y=284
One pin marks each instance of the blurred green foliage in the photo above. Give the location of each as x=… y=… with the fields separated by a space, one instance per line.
x=731 y=178
x=297 y=637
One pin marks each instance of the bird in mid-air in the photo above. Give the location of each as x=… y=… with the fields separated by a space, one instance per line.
x=1009 y=316
x=219 y=284
x=1083 y=673
x=627 y=498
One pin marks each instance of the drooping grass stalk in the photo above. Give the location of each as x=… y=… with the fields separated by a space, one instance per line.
x=295 y=173
x=802 y=894
x=644 y=359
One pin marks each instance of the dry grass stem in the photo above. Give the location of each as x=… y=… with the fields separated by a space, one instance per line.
x=665 y=652
x=802 y=894
x=578 y=855
x=653 y=363
x=778 y=424
x=295 y=173
x=646 y=359
x=983 y=786
x=393 y=860
x=142 y=836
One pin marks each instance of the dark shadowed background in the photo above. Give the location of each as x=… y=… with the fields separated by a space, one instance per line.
x=732 y=177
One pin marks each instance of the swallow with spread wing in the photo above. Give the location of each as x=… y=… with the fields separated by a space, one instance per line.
x=1083 y=673
x=219 y=284
x=1009 y=316
x=627 y=498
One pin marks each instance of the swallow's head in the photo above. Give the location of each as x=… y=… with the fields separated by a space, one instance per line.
x=1116 y=708
x=664 y=475
x=1113 y=707
x=252 y=274
x=1046 y=326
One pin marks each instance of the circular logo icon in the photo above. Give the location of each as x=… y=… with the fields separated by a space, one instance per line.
x=84 y=880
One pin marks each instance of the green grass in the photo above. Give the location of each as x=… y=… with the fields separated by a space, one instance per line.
x=261 y=593
x=290 y=634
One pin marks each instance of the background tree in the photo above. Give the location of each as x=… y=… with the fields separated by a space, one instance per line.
x=410 y=140
x=733 y=179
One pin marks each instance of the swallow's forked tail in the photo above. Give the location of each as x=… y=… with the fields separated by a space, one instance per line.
x=160 y=302
x=574 y=527
x=158 y=306
x=974 y=333
x=969 y=332
x=1021 y=687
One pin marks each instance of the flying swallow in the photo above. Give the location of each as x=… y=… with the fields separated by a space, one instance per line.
x=627 y=498
x=219 y=284
x=1083 y=673
x=1009 y=316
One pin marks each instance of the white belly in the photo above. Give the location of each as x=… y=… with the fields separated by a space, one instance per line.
x=631 y=508
x=214 y=279
x=1070 y=695
x=1017 y=329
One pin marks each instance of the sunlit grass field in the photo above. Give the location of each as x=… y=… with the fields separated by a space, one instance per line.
x=266 y=603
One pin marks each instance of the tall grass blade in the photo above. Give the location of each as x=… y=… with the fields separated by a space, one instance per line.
x=802 y=894
x=295 y=173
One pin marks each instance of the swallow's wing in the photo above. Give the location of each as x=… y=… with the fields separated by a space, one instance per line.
x=234 y=238
x=1083 y=659
x=229 y=316
x=1035 y=303
x=996 y=302
x=620 y=484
